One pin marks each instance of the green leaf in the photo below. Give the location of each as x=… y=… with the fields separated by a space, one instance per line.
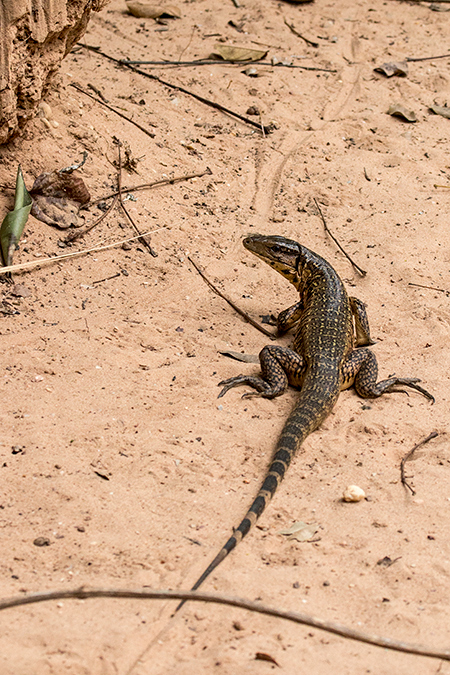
x=12 y=226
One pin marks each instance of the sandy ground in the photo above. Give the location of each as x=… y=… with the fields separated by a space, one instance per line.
x=114 y=446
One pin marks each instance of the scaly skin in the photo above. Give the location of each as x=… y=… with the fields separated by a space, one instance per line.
x=329 y=325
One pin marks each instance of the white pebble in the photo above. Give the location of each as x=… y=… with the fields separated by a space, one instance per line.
x=353 y=493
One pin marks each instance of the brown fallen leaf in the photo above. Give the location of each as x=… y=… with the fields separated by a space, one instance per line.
x=442 y=110
x=262 y=656
x=399 y=110
x=145 y=10
x=393 y=68
x=232 y=53
x=57 y=197
x=245 y=358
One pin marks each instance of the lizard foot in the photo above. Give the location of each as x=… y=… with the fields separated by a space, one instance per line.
x=408 y=382
x=255 y=382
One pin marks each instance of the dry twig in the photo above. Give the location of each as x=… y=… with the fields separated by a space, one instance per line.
x=429 y=58
x=125 y=117
x=409 y=456
x=199 y=596
x=237 y=309
x=41 y=261
x=76 y=234
x=210 y=62
x=142 y=239
x=327 y=230
x=202 y=99
x=143 y=186
x=293 y=30
x=156 y=183
x=430 y=288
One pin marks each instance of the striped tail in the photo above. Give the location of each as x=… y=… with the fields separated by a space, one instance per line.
x=305 y=418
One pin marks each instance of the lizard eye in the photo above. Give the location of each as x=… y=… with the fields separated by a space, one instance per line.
x=276 y=249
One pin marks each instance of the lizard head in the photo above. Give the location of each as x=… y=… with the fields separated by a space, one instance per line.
x=285 y=255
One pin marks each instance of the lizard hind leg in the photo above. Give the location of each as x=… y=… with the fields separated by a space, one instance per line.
x=280 y=367
x=362 y=363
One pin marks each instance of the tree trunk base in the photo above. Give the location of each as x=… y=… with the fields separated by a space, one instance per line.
x=35 y=35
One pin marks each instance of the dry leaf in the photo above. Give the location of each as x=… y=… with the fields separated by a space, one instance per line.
x=145 y=10
x=57 y=197
x=301 y=531
x=393 y=68
x=399 y=110
x=231 y=53
x=441 y=110
x=245 y=358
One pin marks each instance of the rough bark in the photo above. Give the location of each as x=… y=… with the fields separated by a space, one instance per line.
x=35 y=35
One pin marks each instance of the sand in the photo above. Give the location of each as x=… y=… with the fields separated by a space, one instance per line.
x=114 y=447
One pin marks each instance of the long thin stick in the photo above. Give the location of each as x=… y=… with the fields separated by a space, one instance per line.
x=327 y=230
x=156 y=183
x=142 y=240
x=210 y=62
x=429 y=58
x=409 y=455
x=430 y=288
x=237 y=309
x=419 y=1
x=293 y=30
x=176 y=87
x=36 y=263
x=199 y=596
x=125 y=117
x=76 y=234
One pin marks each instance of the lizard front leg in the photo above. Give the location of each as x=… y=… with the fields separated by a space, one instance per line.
x=362 y=330
x=286 y=319
x=289 y=317
x=280 y=367
x=361 y=369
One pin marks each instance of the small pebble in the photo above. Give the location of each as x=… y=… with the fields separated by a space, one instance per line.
x=21 y=291
x=45 y=110
x=42 y=541
x=353 y=493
